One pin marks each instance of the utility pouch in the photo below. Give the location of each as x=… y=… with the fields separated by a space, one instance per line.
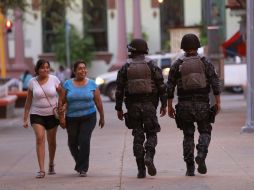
x=212 y=114
x=179 y=123
x=151 y=125
x=127 y=121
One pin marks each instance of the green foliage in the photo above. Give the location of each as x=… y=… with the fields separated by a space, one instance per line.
x=44 y=4
x=203 y=40
x=203 y=35
x=80 y=47
x=166 y=46
x=10 y=4
x=24 y=4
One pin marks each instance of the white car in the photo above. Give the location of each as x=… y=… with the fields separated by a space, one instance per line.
x=235 y=77
x=107 y=81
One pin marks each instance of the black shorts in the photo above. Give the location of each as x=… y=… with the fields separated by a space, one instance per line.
x=48 y=122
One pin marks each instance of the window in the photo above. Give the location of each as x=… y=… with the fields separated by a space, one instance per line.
x=95 y=23
x=53 y=17
x=172 y=15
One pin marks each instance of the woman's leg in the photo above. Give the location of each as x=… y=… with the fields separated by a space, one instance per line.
x=51 y=137
x=72 y=125
x=39 y=131
x=85 y=133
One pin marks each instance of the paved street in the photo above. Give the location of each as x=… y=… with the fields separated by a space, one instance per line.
x=112 y=165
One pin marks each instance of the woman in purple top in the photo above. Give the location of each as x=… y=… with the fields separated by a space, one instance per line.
x=81 y=97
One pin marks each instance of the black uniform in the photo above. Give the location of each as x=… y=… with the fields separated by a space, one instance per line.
x=193 y=106
x=141 y=107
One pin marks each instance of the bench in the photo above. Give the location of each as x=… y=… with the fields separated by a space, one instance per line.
x=21 y=98
x=7 y=106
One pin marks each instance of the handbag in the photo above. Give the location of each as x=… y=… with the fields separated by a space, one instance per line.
x=55 y=109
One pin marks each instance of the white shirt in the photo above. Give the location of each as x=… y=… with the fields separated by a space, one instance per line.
x=40 y=104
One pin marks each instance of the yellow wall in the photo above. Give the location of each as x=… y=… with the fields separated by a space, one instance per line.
x=2 y=46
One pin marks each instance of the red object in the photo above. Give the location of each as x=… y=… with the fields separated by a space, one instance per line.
x=111 y=4
x=8 y=26
x=234 y=46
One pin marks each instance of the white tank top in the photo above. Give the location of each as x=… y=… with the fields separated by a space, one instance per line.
x=40 y=104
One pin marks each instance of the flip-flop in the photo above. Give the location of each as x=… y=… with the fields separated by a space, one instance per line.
x=40 y=174
x=51 y=169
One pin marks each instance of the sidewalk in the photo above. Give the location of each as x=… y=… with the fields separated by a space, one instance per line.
x=112 y=165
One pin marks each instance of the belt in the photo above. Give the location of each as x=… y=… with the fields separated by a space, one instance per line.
x=194 y=98
x=141 y=98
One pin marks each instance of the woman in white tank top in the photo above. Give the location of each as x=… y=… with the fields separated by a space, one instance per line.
x=42 y=97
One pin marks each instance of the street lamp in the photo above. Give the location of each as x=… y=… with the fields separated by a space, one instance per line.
x=8 y=26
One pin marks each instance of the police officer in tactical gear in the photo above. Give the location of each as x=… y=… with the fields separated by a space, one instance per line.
x=194 y=77
x=140 y=86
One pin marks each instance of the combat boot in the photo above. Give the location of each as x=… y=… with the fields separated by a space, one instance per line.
x=141 y=168
x=200 y=160
x=150 y=165
x=190 y=169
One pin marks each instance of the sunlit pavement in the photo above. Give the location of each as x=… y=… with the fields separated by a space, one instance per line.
x=112 y=165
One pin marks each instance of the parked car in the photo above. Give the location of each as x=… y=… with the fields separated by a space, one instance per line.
x=235 y=77
x=107 y=81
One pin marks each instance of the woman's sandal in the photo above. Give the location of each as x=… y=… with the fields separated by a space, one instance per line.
x=51 y=169
x=40 y=174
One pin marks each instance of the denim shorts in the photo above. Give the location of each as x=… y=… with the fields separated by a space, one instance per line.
x=48 y=122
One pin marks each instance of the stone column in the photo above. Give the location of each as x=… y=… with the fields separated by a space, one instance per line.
x=137 y=31
x=18 y=66
x=7 y=57
x=214 y=40
x=121 y=53
x=2 y=45
x=122 y=42
x=19 y=39
x=249 y=125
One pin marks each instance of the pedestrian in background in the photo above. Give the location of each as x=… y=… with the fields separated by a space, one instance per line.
x=60 y=74
x=82 y=97
x=140 y=85
x=42 y=97
x=68 y=73
x=194 y=77
x=25 y=78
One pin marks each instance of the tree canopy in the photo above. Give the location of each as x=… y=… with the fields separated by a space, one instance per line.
x=24 y=4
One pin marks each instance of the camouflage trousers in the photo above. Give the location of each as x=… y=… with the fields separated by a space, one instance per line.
x=140 y=146
x=190 y=113
x=144 y=122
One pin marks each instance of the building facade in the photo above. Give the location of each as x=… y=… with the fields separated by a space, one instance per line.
x=102 y=21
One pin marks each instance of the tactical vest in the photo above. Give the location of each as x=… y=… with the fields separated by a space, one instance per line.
x=139 y=77
x=192 y=72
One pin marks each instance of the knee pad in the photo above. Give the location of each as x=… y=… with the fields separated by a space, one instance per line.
x=203 y=143
x=204 y=139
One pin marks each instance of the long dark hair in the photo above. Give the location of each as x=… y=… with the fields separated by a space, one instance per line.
x=38 y=65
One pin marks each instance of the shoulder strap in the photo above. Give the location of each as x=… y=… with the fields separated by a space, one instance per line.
x=44 y=93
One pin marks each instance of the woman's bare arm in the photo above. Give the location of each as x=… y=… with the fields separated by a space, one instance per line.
x=99 y=106
x=27 y=107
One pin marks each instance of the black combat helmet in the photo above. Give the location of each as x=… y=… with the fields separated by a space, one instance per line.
x=138 y=46
x=190 y=41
